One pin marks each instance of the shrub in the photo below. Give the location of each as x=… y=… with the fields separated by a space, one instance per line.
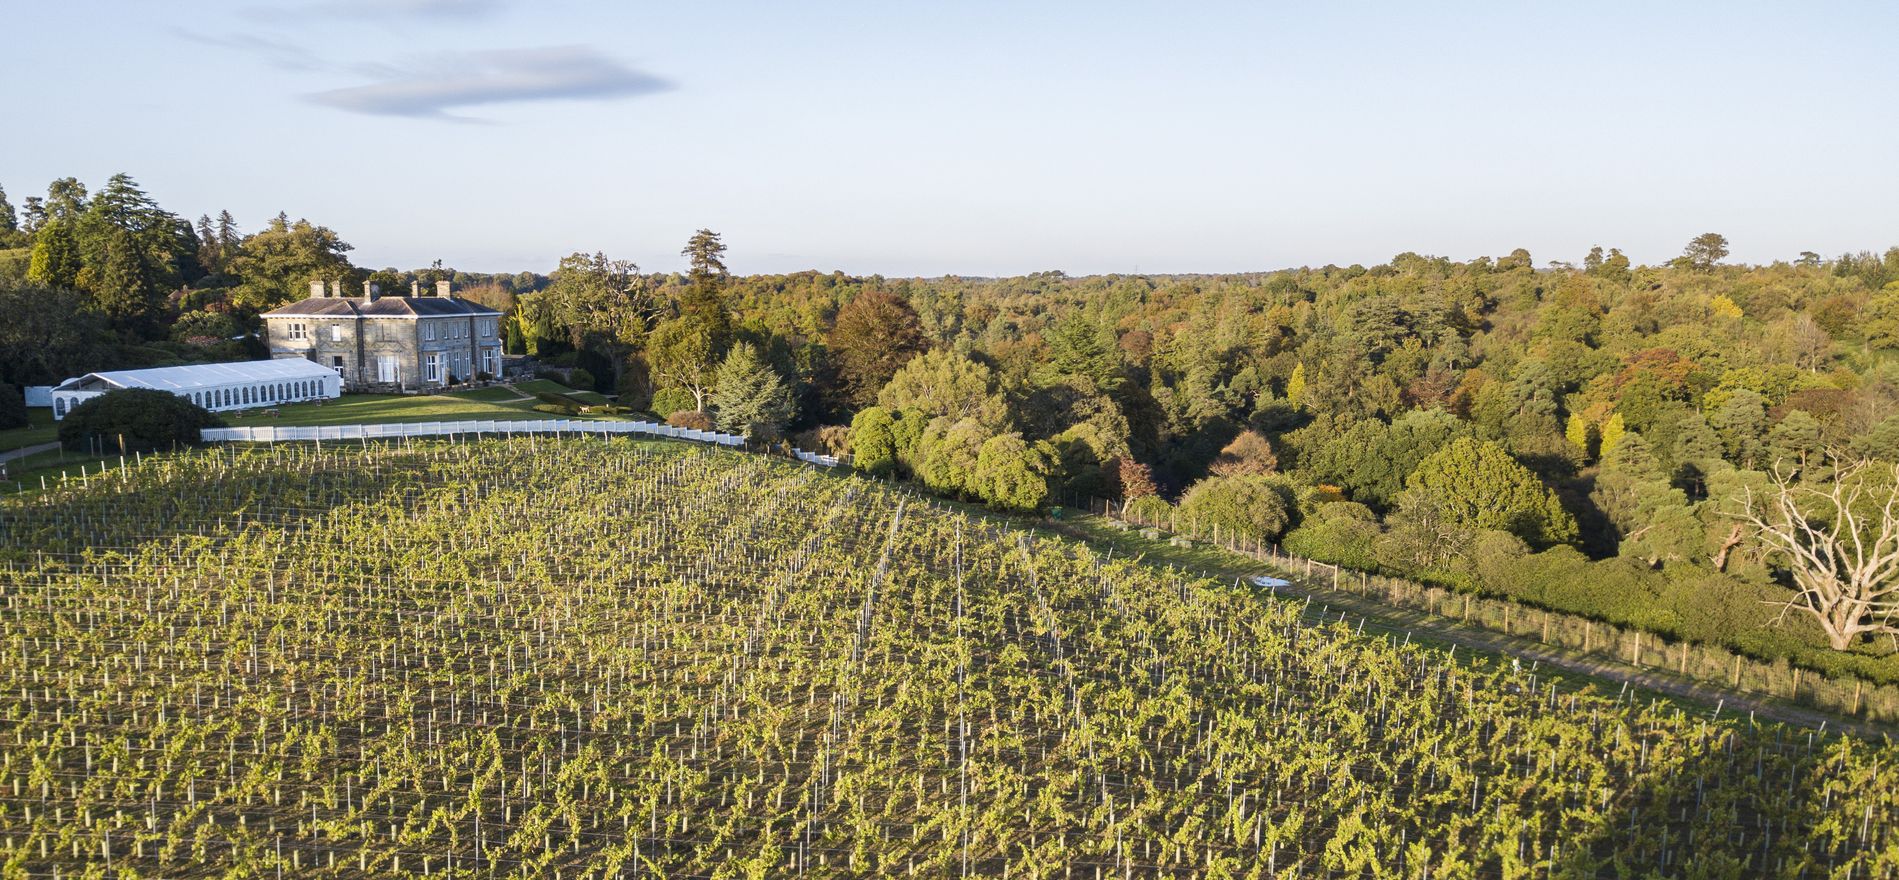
x=1251 y=508
x=139 y=418
x=1150 y=510
x=873 y=445
x=824 y=440
x=672 y=400
x=12 y=407
x=1012 y=473
x=580 y=380
x=691 y=419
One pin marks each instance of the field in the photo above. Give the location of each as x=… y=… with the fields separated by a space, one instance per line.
x=587 y=658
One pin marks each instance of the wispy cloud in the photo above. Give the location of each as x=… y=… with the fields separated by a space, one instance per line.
x=466 y=79
x=276 y=51
x=378 y=9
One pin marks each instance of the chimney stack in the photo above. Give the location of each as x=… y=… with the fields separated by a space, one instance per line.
x=415 y=287
x=336 y=287
x=371 y=290
x=445 y=289
x=316 y=289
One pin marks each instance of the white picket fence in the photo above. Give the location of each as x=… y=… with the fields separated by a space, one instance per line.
x=481 y=428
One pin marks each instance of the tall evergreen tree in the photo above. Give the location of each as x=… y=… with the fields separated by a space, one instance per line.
x=9 y=221
x=55 y=260
x=750 y=398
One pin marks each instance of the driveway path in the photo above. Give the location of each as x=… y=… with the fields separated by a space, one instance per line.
x=25 y=451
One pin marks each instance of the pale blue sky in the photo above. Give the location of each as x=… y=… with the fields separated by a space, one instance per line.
x=978 y=138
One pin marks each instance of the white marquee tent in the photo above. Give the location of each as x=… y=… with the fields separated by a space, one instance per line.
x=215 y=387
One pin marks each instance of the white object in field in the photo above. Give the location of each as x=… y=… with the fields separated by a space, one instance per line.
x=1260 y=580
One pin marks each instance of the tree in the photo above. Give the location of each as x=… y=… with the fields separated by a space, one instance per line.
x=1250 y=454
x=1741 y=422
x=949 y=384
x=55 y=261
x=1296 y=385
x=1705 y=250
x=1613 y=430
x=1012 y=474
x=874 y=442
x=603 y=303
x=50 y=334
x=875 y=335
x=1840 y=542
x=705 y=253
x=12 y=407
x=135 y=419
x=65 y=199
x=1082 y=349
x=686 y=352
x=947 y=455
x=1794 y=439
x=1137 y=480
x=750 y=398
x=277 y=263
x=1476 y=483
x=9 y=221
x=1249 y=508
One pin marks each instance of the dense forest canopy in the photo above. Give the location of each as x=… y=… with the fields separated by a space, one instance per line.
x=1588 y=435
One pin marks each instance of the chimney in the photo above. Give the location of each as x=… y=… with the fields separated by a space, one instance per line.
x=415 y=287
x=316 y=289
x=444 y=288
x=336 y=287
x=371 y=290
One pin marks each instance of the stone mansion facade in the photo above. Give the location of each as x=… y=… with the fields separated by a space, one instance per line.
x=378 y=342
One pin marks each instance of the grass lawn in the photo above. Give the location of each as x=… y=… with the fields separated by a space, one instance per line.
x=351 y=409
x=23 y=474
x=42 y=429
x=497 y=394
x=542 y=386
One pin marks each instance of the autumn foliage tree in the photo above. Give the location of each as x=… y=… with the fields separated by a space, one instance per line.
x=875 y=335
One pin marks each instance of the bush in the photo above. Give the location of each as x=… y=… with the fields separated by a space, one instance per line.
x=12 y=407
x=580 y=380
x=824 y=440
x=672 y=400
x=139 y=418
x=1249 y=508
x=1150 y=510
x=1012 y=473
x=873 y=445
x=691 y=419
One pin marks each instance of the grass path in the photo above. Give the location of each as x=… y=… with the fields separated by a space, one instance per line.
x=1419 y=626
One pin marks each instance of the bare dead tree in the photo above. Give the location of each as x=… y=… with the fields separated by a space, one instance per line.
x=1841 y=541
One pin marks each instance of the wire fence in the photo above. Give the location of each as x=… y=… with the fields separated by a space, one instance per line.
x=1713 y=664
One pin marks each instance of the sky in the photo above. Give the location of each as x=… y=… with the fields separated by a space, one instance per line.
x=977 y=138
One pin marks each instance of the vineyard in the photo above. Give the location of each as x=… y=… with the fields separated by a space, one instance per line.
x=592 y=658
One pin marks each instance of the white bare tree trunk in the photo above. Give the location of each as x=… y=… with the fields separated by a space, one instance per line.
x=1841 y=542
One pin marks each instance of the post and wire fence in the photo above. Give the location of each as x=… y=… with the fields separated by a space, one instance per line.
x=1577 y=634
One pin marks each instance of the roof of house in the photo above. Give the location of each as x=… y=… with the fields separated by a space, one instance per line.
x=200 y=375
x=381 y=307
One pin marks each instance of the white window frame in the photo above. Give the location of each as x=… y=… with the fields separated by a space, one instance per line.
x=432 y=366
x=336 y=333
x=295 y=329
x=428 y=331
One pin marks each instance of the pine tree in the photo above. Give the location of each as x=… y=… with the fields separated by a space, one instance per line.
x=1296 y=386
x=55 y=260
x=750 y=398
x=9 y=221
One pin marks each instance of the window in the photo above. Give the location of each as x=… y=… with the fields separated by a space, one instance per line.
x=428 y=330
x=432 y=367
x=295 y=329
x=59 y=407
x=336 y=363
x=336 y=333
x=488 y=328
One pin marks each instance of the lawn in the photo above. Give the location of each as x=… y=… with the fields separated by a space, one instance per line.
x=351 y=409
x=42 y=429
x=25 y=473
